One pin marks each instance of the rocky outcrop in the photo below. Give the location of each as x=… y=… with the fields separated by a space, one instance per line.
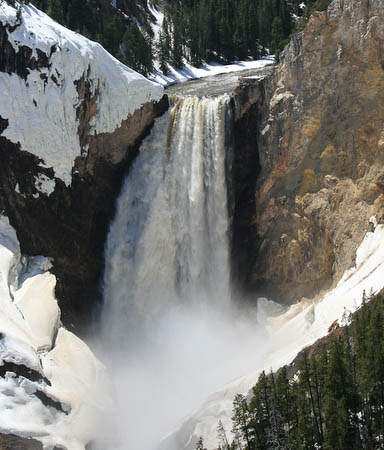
x=320 y=143
x=11 y=442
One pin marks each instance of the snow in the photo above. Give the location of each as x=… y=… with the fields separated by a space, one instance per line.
x=190 y=72
x=29 y=321
x=80 y=380
x=301 y=325
x=44 y=184
x=42 y=112
x=159 y=17
x=35 y=300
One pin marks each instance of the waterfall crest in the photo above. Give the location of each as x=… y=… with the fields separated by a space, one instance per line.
x=169 y=241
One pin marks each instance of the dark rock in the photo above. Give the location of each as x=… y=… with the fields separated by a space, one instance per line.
x=11 y=442
x=49 y=402
x=22 y=371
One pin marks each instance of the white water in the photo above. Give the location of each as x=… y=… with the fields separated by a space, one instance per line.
x=171 y=332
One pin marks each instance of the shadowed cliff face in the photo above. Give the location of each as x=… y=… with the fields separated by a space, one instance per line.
x=321 y=150
x=71 y=224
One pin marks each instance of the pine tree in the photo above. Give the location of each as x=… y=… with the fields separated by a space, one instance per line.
x=55 y=10
x=177 y=34
x=222 y=437
x=200 y=444
x=277 y=437
x=241 y=419
x=338 y=401
x=137 y=50
x=164 y=46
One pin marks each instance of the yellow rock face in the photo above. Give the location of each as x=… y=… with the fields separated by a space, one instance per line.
x=322 y=150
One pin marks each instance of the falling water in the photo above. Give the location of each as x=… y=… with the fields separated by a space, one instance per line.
x=166 y=325
x=168 y=243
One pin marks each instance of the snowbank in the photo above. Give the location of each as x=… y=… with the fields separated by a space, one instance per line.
x=42 y=109
x=301 y=325
x=190 y=73
x=29 y=322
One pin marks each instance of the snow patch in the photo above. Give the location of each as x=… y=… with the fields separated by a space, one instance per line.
x=190 y=72
x=44 y=184
x=36 y=302
x=41 y=110
x=159 y=17
x=29 y=320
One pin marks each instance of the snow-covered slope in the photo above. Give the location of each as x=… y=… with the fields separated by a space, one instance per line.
x=41 y=107
x=52 y=387
x=301 y=325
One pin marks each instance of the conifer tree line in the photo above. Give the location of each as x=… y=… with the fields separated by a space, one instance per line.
x=116 y=32
x=222 y=30
x=334 y=402
x=194 y=31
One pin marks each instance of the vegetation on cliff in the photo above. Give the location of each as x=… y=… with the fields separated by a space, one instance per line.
x=331 y=399
x=192 y=31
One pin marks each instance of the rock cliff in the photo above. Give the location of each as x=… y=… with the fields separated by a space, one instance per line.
x=71 y=120
x=320 y=144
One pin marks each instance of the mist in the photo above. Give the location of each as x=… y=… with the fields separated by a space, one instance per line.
x=190 y=352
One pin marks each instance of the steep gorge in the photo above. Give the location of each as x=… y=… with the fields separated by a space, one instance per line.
x=307 y=166
x=320 y=145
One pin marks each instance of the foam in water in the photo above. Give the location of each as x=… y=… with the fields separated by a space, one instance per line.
x=171 y=332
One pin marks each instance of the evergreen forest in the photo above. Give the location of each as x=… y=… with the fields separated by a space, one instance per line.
x=193 y=31
x=331 y=398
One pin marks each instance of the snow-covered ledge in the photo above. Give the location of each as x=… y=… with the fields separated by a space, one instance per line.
x=41 y=107
x=52 y=388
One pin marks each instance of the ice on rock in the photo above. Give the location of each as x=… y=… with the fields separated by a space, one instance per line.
x=29 y=320
x=79 y=380
x=36 y=302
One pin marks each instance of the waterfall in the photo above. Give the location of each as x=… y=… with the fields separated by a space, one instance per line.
x=171 y=334
x=169 y=241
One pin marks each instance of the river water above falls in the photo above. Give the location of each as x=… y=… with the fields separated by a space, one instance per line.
x=171 y=331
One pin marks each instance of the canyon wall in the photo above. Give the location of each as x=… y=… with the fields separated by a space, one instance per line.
x=320 y=143
x=307 y=168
